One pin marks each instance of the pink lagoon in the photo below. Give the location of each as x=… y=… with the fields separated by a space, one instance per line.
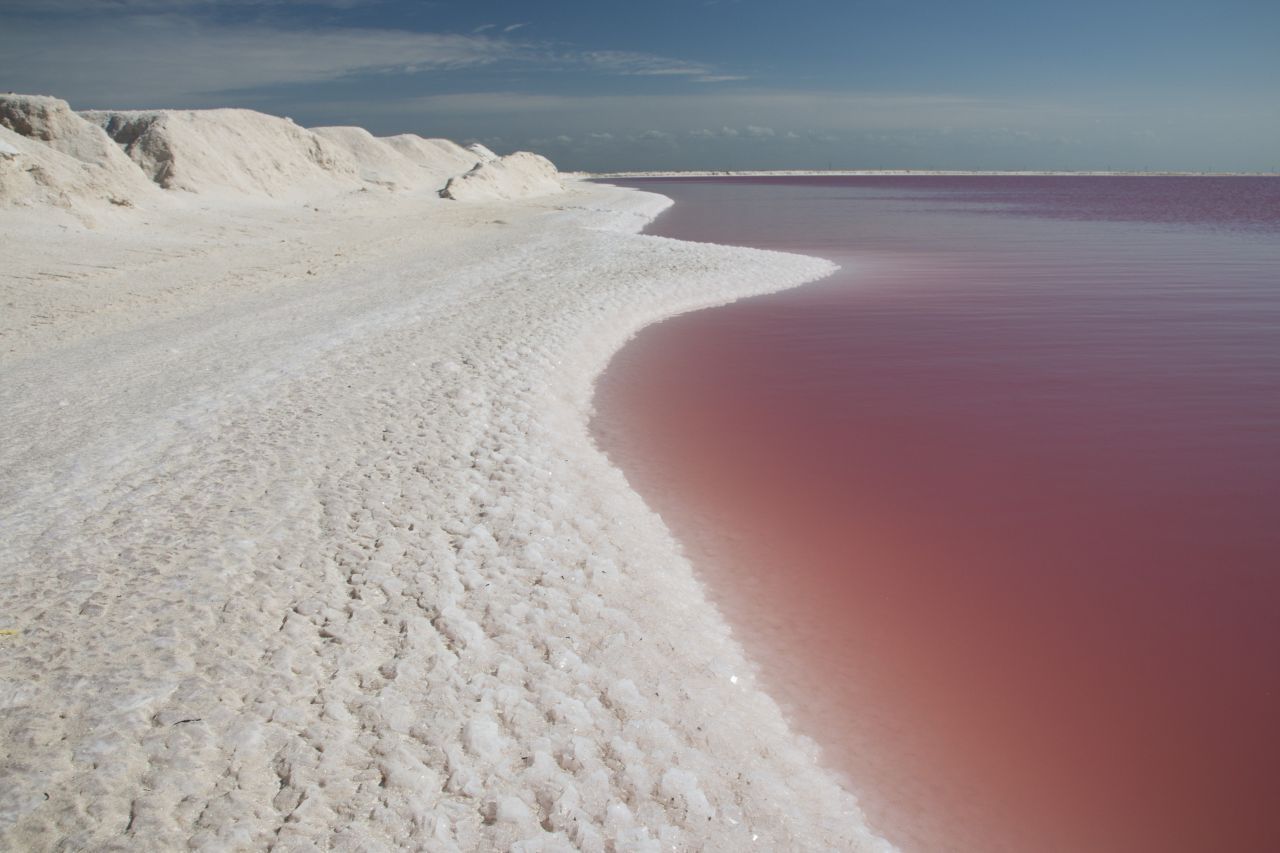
x=996 y=507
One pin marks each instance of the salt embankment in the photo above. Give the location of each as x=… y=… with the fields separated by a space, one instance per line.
x=304 y=539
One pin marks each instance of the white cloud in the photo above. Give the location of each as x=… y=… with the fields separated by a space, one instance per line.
x=641 y=64
x=139 y=57
x=723 y=133
x=159 y=59
x=752 y=131
x=545 y=141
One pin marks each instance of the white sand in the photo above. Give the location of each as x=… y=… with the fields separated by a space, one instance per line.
x=305 y=544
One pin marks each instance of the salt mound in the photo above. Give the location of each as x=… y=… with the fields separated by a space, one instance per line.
x=56 y=157
x=52 y=121
x=376 y=161
x=518 y=175
x=33 y=174
x=229 y=151
x=439 y=159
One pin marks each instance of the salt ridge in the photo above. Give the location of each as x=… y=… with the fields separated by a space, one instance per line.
x=83 y=162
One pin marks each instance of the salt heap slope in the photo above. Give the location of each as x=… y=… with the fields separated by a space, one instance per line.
x=441 y=158
x=376 y=161
x=519 y=175
x=240 y=152
x=54 y=157
x=404 y=161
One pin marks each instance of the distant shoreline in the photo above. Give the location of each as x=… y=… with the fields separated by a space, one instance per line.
x=871 y=173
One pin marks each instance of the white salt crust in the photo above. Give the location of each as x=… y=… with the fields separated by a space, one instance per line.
x=306 y=546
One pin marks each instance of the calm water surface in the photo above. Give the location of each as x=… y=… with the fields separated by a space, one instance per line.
x=997 y=507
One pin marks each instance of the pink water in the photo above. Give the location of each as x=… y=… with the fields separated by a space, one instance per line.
x=997 y=508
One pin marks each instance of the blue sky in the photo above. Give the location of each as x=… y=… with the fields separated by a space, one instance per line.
x=700 y=84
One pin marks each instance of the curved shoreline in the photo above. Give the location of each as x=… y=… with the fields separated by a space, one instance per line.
x=342 y=566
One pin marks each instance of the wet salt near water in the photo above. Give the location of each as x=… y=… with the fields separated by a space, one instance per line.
x=997 y=507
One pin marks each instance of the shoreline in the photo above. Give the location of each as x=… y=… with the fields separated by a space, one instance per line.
x=330 y=556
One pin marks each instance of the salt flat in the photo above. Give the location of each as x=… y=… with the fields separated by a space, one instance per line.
x=305 y=543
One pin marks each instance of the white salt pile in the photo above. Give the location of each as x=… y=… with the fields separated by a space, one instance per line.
x=60 y=159
x=519 y=175
x=441 y=158
x=220 y=151
x=377 y=161
x=81 y=160
x=304 y=541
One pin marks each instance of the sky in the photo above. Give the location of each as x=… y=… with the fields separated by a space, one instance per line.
x=605 y=85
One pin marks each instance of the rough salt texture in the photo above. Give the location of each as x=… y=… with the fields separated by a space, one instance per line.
x=52 y=122
x=33 y=175
x=305 y=544
x=54 y=157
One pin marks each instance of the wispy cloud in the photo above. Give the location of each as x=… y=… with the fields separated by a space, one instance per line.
x=642 y=64
x=751 y=131
x=170 y=53
x=559 y=140
x=161 y=59
x=722 y=133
